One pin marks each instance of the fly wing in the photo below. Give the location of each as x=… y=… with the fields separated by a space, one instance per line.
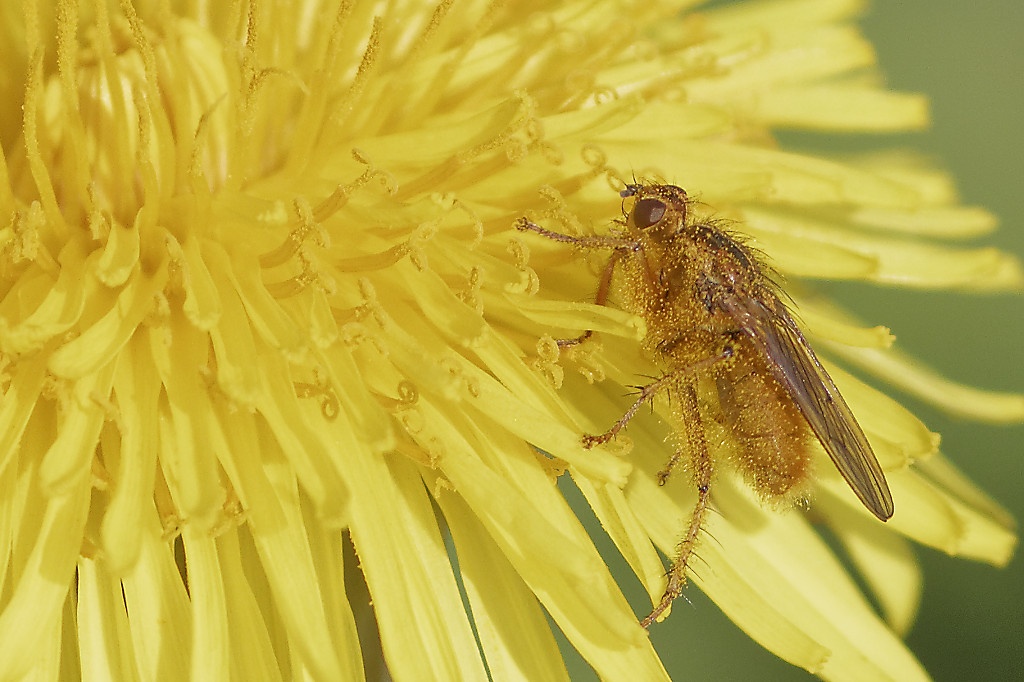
x=794 y=365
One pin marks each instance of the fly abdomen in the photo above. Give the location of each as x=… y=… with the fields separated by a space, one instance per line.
x=771 y=437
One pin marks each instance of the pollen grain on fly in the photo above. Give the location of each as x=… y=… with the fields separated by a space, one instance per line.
x=717 y=327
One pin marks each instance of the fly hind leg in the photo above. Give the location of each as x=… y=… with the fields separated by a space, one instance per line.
x=702 y=469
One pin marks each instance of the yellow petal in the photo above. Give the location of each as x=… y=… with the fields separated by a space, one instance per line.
x=885 y=561
x=104 y=634
x=210 y=652
x=514 y=634
x=841 y=108
x=424 y=629
x=158 y=608
x=249 y=644
x=43 y=557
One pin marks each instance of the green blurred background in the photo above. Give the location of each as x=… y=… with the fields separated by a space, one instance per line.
x=968 y=58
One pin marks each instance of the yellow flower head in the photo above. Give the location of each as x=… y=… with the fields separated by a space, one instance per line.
x=262 y=303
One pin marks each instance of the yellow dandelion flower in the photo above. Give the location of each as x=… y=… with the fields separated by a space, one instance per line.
x=282 y=396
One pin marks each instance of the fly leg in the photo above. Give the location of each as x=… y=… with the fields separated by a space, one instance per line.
x=588 y=242
x=667 y=381
x=619 y=246
x=701 y=468
x=646 y=393
x=601 y=298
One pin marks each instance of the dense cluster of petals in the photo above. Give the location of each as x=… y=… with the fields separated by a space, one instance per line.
x=267 y=333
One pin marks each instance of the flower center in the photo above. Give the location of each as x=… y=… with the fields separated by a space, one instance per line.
x=147 y=116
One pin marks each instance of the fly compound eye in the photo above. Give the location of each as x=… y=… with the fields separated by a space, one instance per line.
x=647 y=212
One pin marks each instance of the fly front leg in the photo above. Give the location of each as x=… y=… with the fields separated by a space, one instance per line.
x=603 y=288
x=594 y=241
x=619 y=246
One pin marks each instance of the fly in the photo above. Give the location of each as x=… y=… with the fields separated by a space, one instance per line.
x=716 y=323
